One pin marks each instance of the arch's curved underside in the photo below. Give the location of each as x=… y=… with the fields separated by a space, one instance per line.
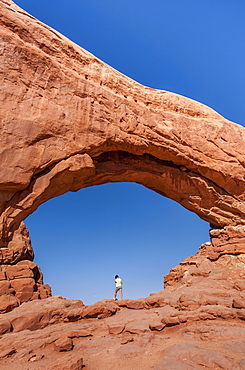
x=70 y=121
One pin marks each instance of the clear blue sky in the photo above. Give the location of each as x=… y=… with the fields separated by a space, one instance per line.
x=192 y=47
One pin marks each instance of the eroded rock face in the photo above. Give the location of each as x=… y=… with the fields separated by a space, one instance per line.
x=226 y=248
x=21 y=280
x=203 y=303
x=70 y=121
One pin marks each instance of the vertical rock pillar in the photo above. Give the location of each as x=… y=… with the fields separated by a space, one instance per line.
x=21 y=280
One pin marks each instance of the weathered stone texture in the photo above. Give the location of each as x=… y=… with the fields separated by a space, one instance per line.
x=69 y=121
x=227 y=246
x=21 y=279
x=172 y=329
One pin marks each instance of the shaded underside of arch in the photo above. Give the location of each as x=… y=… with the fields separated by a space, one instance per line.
x=70 y=121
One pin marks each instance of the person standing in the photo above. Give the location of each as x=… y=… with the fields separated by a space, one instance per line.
x=118 y=282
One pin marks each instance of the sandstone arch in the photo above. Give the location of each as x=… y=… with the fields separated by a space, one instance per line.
x=69 y=121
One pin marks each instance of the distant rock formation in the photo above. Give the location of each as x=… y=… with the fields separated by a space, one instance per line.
x=69 y=121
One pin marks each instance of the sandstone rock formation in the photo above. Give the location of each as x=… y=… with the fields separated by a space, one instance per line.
x=20 y=278
x=196 y=322
x=69 y=121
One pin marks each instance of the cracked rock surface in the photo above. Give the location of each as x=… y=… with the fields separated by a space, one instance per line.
x=197 y=321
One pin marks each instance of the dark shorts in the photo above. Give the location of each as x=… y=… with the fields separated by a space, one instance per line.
x=118 y=288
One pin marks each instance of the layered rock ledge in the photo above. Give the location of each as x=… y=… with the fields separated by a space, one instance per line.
x=21 y=280
x=195 y=322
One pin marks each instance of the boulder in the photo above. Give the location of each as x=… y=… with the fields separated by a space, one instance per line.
x=5 y=326
x=100 y=310
x=5 y=287
x=8 y=302
x=24 y=288
x=18 y=272
x=63 y=344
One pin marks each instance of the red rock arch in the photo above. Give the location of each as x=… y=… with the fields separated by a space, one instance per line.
x=70 y=121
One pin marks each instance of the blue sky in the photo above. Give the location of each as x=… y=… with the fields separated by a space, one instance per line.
x=192 y=47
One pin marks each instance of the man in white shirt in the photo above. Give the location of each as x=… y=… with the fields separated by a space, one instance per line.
x=118 y=282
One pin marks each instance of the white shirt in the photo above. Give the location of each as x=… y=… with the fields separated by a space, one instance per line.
x=118 y=282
